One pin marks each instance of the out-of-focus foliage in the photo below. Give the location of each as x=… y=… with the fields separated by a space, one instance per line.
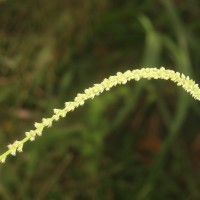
x=139 y=141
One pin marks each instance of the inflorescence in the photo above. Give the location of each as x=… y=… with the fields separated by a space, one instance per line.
x=120 y=78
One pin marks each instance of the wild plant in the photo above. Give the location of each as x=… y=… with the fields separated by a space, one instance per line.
x=185 y=82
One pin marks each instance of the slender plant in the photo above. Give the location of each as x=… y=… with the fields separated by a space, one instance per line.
x=120 y=78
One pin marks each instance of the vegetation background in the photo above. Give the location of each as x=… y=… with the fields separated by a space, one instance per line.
x=139 y=141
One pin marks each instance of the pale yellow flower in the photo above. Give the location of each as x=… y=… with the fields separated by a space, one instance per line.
x=120 y=78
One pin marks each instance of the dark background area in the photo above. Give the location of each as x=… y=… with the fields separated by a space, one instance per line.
x=139 y=141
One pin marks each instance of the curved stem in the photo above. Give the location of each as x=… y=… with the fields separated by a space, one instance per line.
x=120 y=78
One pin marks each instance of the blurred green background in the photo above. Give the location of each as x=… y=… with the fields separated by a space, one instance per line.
x=139 y=141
